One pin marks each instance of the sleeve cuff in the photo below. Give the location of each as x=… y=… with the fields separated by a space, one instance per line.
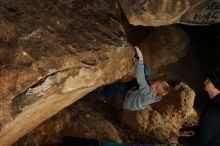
x=139 y=62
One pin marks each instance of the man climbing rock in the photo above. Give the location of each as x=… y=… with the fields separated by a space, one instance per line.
x=208 y=130
x=137 y=98
x=147 y=92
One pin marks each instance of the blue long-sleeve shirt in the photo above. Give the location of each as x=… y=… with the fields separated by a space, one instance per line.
x=138 y=99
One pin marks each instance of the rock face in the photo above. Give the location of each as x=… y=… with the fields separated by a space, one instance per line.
x=165 y=12
x=78 y=120
x=165 y=118
x=93 y=118
x=163 y=46
x=202 y=12
x=154 y=13
x=175 y=54
x=51 y=54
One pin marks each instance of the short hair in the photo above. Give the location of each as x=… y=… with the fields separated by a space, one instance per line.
x=164 y=86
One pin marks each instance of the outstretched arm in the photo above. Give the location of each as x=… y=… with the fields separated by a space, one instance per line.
x=140 y=70
x=140 y=74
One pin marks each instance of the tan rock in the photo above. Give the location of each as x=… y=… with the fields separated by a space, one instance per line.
x=154 y=13
x=7 y=31
x=163 y=46
x=74 y=122
x=62 y=51
x=171 y=55
x=164 y=118
x=166 y=12
x=202 y=12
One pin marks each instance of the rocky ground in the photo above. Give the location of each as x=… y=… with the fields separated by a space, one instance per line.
x=95 y=118
x=51 y=50
x=53 y=53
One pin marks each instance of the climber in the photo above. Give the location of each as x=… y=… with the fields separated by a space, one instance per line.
x=137 y=98
x=208 y=130
x=147 y=92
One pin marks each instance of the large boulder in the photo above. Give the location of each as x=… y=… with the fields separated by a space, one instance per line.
x=154 y=13
x=202 y=12
x=174 y=54
x=165 y=12
x=52 y=53
x=163 y=46
x=78 y=120
x=163 y=119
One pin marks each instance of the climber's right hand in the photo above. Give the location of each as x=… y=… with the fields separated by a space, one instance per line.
x=139 y=53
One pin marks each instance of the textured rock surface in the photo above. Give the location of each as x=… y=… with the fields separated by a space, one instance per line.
x=94 y=118
x=165 y=118
x=163 y=46
x=78 y=120
x=154 y=13
x=202 y=12
x=175 y=53
x=165 y=12
x=51 y=54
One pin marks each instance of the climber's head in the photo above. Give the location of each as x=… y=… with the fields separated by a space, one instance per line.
x=159 y=87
